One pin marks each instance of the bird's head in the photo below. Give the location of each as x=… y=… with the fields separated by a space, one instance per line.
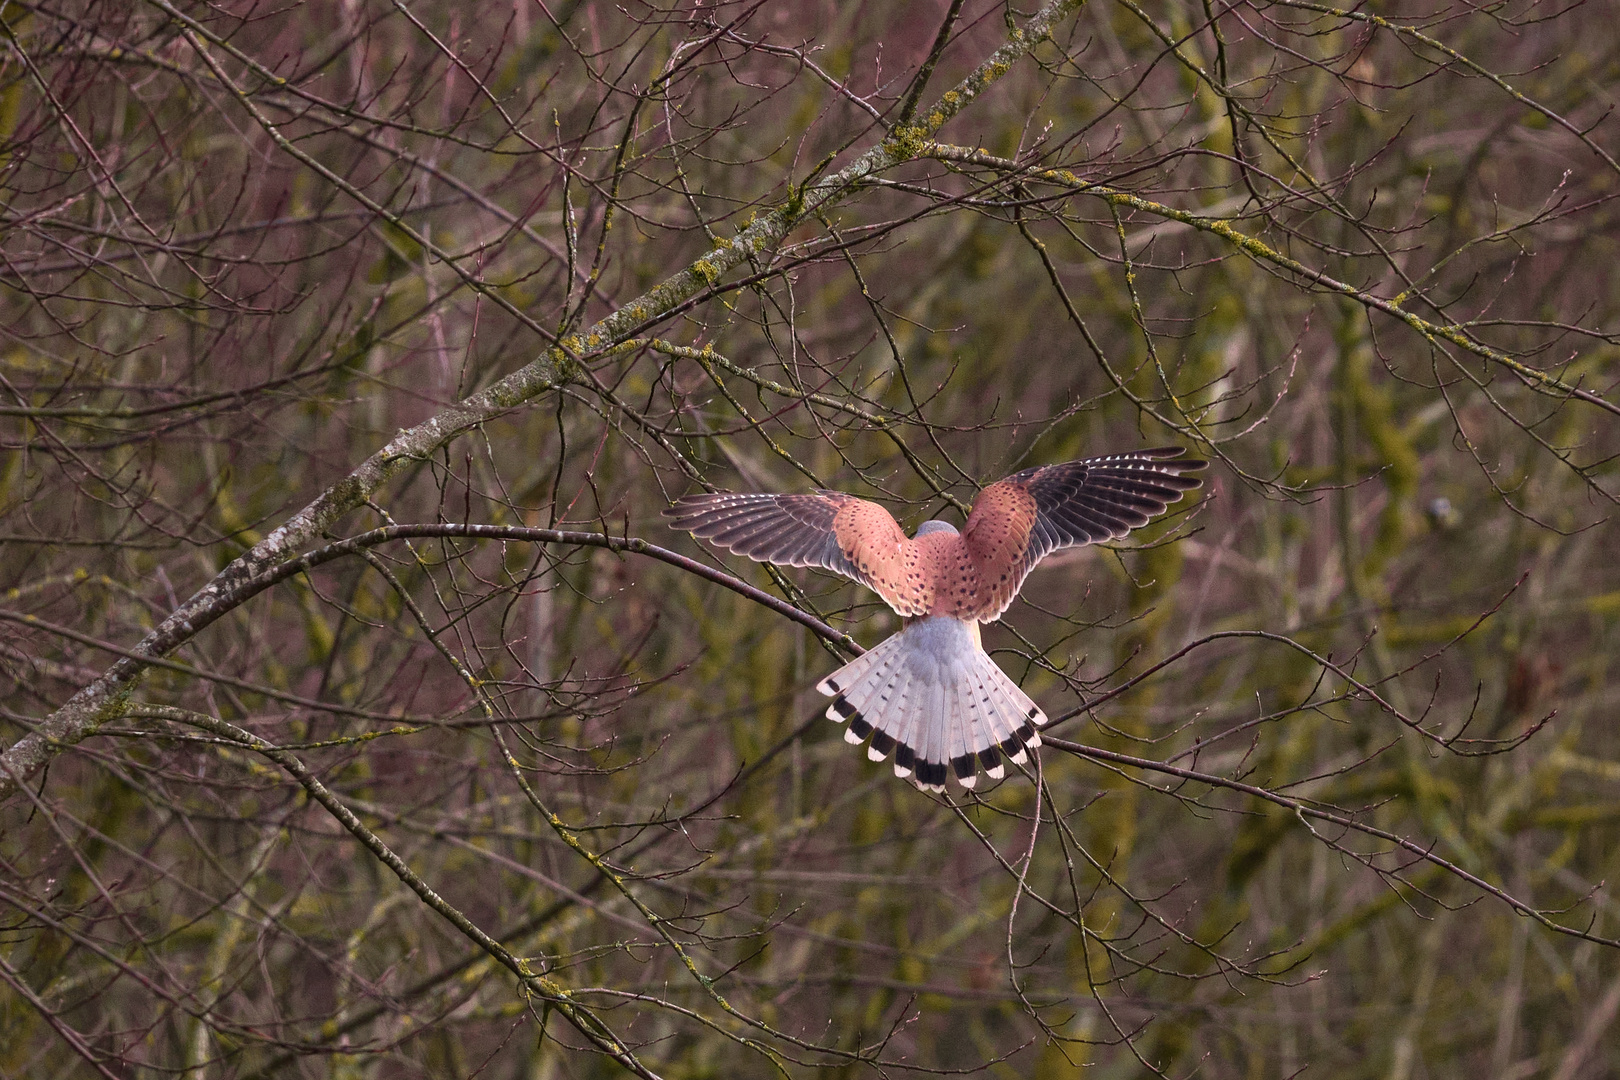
x=935 y=527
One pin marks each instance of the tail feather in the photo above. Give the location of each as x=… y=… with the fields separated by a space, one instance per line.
x=930 y=770
x=1010 y=716
x=1021 y=717
x=873 y=696
x=891 y=700
x=959 y=734
x=1007 y=721
x=853 y=672
x=932 y=697
x=987 y=727
x=908 y=727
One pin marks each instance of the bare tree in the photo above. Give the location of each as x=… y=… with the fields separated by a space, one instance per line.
x=362 y=718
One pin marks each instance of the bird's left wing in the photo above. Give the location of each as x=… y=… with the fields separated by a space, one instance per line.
x=827 y=529
x=1018 y=521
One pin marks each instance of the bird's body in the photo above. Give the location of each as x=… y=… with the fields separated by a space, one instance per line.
x=930 y=694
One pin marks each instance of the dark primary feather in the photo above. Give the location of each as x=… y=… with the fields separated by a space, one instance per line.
x=1101 y=499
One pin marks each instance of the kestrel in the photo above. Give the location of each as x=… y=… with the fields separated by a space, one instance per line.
x=930 y=693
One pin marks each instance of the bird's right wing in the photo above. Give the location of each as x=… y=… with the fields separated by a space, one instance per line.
x=1018 y=521
x=1103 y=498
x=826 y=529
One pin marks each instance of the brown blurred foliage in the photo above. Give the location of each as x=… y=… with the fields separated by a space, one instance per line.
x=1335 y=788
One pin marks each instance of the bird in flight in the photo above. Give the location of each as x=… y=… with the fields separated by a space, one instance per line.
x=930 y=693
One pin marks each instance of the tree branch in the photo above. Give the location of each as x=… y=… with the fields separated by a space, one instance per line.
x=100 y=701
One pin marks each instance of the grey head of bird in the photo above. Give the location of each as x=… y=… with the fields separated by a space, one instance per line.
x=935 y=527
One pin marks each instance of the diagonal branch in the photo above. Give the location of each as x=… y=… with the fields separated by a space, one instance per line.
x=103 y=699
x=1432 y=332
x=536 y=984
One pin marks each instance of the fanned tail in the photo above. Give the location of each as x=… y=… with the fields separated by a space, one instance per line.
x=933 y=697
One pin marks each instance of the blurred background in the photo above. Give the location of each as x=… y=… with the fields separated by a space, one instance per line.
x=1364 y=789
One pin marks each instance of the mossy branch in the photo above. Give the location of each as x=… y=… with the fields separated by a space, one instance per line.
x=1259 y=251
x=98 y=702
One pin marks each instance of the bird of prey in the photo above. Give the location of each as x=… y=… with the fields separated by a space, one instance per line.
x=930 y=693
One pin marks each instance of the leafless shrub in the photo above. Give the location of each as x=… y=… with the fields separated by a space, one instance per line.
x=362 y=719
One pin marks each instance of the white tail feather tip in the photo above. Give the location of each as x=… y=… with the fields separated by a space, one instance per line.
x=851 y=737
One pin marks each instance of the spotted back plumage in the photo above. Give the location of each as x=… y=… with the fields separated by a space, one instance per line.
x=972 y=575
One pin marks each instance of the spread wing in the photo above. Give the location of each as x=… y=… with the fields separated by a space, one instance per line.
x=1018 y=521
x=827 y=529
